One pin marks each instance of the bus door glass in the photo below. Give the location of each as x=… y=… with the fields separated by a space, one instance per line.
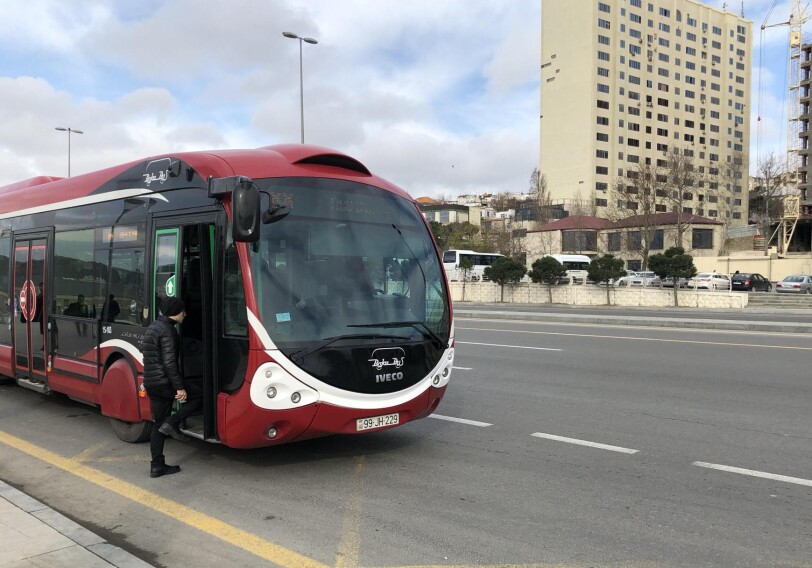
x=183 y=268
x=167 y=247
x=29 y=308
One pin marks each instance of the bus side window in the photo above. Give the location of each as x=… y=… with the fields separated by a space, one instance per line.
x=235 y=316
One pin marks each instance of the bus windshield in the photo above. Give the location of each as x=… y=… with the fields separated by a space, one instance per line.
x=351 y=264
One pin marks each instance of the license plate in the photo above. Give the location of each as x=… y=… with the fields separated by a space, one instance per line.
x=376 y=422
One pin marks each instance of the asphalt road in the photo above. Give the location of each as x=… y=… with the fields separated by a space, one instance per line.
x=556 y=445
x=747 y=314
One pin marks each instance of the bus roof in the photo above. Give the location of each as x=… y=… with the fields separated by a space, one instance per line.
x=151 y=175
x=571 y=257
x=473 y=252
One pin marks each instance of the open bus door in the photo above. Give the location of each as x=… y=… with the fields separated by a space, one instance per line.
x=183 y=267
x=30 y=317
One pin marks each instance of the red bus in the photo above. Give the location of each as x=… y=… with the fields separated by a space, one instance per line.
x=316 y=297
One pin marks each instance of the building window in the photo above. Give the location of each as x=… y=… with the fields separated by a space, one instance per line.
x=657 y=240
x=603 y=170
x=604 y=24
x=579 y=240
x=601 y=185
x=601 y=137
x=604 y=7
x=602 y=153
x=614 y=242
x=702 y=239
x=603 y=88
x=603 y=121
x=600 y=202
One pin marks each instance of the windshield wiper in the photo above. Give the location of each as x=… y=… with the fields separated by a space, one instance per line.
x=302 y=353
x=417 y=324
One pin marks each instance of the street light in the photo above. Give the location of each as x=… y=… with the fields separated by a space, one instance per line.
x=292 y=35
x=69 y=130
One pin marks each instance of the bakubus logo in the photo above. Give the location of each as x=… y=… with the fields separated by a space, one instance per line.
x=388 y=357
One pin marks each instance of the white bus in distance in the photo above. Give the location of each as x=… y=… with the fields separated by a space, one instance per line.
x=452 y=259
x=576 y=265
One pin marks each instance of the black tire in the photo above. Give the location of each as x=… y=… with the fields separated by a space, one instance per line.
x=132 y=432
x=808 y=291
x=770 y=288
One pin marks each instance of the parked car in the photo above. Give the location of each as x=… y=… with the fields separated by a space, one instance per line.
x=645 y=279
x=750 y=282
x=669 y=282
x=709 y=281
x=626 y=280
x=795 y=284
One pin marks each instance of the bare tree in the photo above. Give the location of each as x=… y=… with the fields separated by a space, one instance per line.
x=637 y=199
x=541 y=202
x=730 y=177
x=768 y=191
x=677 y=180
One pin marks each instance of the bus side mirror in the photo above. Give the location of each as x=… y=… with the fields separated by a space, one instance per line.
x=245 y=203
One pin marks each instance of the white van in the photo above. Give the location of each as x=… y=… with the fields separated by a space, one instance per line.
x=576 y=265
x=481 y=260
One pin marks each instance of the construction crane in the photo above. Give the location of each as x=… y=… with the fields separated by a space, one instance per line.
x=791 y=210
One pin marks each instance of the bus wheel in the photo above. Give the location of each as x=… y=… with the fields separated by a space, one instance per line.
x=133 y=432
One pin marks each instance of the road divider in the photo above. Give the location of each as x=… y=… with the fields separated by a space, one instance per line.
x=460 y=420
x=514 y=346
x=754 y=473
x=584 y=443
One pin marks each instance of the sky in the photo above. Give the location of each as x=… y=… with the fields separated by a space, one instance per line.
x=440 y=97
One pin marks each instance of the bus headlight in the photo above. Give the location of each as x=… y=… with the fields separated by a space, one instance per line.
x=274 y=388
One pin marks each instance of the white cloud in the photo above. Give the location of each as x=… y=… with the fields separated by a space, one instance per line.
x=438 y=96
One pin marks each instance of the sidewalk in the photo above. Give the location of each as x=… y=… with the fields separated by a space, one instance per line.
x=638 y=318
x=33 y=535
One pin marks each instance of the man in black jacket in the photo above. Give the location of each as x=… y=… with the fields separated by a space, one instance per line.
x=164 y=383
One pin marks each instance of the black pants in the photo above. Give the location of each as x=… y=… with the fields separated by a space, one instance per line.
x=161 y=400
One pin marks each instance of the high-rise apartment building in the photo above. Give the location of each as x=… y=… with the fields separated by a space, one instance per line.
x=624 y=82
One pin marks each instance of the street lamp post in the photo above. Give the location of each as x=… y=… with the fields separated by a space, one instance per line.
x=69 y=130
x=310 y=40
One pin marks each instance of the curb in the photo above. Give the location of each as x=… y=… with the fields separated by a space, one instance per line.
x=69 y=529
x=730 y=325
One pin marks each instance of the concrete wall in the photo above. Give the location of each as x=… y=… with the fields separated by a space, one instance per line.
x=589 y=295
x=774 y=269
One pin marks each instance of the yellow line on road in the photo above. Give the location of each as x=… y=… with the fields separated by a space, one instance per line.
x=349 y=547
x=694 y=341
x=541 y=565
x=209 y=525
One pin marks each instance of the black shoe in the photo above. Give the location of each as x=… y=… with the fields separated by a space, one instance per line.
x=168 y=429
x=163 y=469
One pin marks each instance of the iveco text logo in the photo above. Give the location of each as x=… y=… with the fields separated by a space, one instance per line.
x=387 y=377
x=388 y=357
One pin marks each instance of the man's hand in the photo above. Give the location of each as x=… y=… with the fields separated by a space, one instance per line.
x=181 y=395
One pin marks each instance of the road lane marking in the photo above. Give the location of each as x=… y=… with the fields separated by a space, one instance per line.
x=349 y=546
x=585 y=443
x=515 y=346
x=594 y=336
x=754 y=473
x=460 y=420
x=463 y=368
x=215 y=527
